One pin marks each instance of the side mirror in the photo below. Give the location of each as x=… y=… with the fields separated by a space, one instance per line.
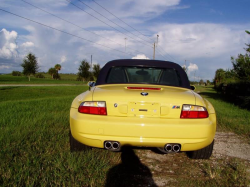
x=91 y=84
x=192 y=87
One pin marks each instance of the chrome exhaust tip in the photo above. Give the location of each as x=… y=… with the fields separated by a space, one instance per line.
x=116 y=145
x=108 y=145
x=176 y=148
x=168 y=147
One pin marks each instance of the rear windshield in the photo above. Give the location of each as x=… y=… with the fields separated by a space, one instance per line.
x=144 y=75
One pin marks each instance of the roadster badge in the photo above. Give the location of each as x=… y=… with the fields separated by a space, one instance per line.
x=144 y=93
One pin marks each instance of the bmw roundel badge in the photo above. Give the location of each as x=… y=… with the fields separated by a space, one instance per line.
x=144 y=93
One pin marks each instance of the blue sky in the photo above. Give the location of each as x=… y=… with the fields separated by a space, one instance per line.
x=205 y=33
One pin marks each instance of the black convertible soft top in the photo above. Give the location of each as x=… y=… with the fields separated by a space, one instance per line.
x=142 y=63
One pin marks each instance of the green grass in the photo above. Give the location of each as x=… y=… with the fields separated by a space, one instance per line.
x=34 y=142
x=213 y=173
x=65 y=79
x=34 y=129
x=229 y=116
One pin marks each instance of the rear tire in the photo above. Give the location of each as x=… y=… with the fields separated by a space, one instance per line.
x=75 y=145
x=204 y=153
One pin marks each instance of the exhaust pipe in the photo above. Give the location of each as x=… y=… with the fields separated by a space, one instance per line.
x=116 y=145
x=168 y=147
x=112 y=145
x=108 y=145
x=176 y=148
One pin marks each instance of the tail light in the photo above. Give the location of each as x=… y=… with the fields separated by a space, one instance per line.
x=93 y=107
x=193 y=111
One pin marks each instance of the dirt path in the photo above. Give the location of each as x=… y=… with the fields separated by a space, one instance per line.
x=230 y=152
x=232 y=145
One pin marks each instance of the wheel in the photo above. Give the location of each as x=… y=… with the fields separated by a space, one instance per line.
x=204 y=153
x=75 y=145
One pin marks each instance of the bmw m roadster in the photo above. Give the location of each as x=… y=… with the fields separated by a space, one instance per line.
x=144 y=103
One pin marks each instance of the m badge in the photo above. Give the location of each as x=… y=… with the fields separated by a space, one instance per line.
x=176 y=107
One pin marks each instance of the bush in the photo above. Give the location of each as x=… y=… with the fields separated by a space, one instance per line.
x=57 y=76
x=40 y=75
x=238 y=93
x=16 y=73
x=79 y=78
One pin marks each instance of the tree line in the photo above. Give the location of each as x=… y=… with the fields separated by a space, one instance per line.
x=235 y=82
x=240 y=71
x=31 y=67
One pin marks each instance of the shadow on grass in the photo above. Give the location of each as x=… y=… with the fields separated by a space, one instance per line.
x=235 y=100
x=131 y=172
x=213 y=94
x=8 y=87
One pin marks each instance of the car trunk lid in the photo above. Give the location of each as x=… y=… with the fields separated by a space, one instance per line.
x=143 y=101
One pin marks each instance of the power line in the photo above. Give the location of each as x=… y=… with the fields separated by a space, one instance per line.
x=75 y=24
x=67 y=21
x=119 y=18
x=101 y=20
x=64 y=32
x=148 y=44
x=167 y=53
x=129 y=26
x=112 y=21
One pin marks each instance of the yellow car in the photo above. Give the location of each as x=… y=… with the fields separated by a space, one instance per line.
x=144 y=103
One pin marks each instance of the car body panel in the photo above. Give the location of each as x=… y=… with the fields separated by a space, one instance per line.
x=93 y=130
x=150 y=119
x=139 y=129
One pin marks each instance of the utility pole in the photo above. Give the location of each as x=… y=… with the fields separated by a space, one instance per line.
x=157 y=40
x=125 y=43
x=154 y=52
x=155 y=45
x=91 y=64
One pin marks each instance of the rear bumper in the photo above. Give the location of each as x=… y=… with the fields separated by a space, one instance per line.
x=93 y=130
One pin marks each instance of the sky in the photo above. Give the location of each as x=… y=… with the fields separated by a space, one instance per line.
x=201 y=34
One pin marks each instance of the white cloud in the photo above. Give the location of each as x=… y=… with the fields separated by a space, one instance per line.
x=63 y=59
x=8 y=47
x=28 y=44
x=192 y=67
x=140 y=8
x=200 y=39
x=140 y=56
x=4 y=67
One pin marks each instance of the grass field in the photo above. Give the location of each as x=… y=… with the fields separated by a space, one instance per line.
x=34 y=128
x=65 y=79
x=229 y=116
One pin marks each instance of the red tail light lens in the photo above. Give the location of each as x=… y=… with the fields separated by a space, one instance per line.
x=193 y=111
x=93 y=107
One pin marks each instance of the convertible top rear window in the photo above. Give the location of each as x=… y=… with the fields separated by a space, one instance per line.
x=144 y=75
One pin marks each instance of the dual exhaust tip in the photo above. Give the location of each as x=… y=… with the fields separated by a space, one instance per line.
x=112 y=145
x=115 y=146
x=172 y=148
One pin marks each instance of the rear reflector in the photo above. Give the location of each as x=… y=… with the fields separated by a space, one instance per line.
x=193 y=111
x=93 y=107
x=142 y=88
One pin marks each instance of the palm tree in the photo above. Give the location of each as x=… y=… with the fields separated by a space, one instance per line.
x=52 y=72
x=58 y=68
